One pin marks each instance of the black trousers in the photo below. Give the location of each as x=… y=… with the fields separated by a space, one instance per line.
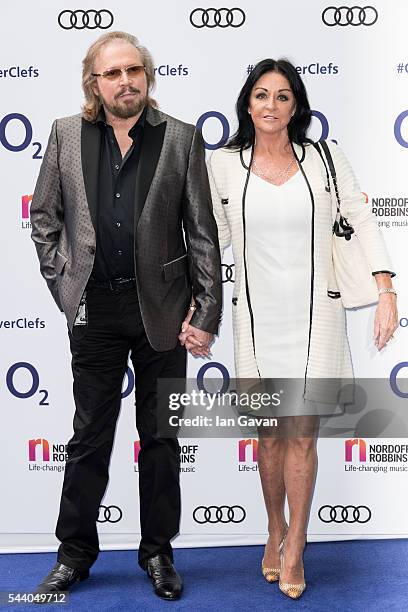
x=100 y=353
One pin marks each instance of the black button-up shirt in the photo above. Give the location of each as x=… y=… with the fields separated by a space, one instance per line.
x=115 y=240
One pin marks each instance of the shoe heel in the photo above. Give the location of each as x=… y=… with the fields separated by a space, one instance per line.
x=271 y=574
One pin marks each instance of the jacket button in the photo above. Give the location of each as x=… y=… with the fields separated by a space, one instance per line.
x=92 y=250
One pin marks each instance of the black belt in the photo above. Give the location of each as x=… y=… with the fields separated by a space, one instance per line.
x=114 y=284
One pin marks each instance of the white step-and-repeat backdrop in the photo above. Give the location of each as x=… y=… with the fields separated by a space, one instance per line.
x=354 y=61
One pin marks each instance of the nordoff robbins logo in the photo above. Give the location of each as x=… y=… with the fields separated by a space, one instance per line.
x=221 y=18
x=354 y=16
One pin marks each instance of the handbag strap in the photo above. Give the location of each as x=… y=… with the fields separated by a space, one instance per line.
x=330 y=163
x=341 y=227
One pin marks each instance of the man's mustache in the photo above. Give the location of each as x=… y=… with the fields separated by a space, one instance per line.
x=133 y=90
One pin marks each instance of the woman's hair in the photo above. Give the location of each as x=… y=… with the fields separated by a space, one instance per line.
x=299 y=123
x=92 y=104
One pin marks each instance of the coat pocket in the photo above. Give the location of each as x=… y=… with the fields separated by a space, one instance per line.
x=175 y=268
x=60 y=261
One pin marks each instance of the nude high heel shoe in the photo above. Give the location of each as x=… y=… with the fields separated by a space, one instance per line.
x=294 y=591
x=271 y=574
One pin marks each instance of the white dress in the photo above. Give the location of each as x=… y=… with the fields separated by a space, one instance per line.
x=278 y=234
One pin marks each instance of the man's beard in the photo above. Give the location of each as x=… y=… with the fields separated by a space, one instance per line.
x=128 y=109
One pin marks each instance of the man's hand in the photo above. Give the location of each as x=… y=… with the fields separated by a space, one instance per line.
x=196 y=341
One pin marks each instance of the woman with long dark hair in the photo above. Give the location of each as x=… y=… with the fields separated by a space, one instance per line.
x=270 y=189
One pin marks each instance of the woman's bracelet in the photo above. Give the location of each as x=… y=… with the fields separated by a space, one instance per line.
x=387 y=290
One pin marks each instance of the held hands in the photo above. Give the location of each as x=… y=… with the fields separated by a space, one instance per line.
x=386 y=319
x=196 y=341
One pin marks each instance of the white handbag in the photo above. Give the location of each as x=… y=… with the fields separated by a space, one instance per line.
x=356 y=284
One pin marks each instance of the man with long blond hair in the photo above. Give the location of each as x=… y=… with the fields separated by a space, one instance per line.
x=127 y=243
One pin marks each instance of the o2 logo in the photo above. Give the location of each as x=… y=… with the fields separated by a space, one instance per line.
x=213 y=365
x=398 y=129
x=224 y=125
x=14 y=386
x=226 y=130
x=130 y=383
x=393 y=379
x=129 y=379
x=17 y=120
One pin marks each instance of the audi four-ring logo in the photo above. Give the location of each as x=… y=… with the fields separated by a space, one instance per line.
x=345 y=15
x=344 y=514
x=81 y=20
x=228 y=273
x=109 y=514
x=221 y=18
x=219 y=514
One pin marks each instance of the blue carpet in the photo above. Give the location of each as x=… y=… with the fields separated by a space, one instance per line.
x=356 y=576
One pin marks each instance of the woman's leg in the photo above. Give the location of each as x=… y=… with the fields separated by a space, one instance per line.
x=300 y=468
x=271 y=454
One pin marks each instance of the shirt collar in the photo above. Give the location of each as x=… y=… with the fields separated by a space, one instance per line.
x=138 y=126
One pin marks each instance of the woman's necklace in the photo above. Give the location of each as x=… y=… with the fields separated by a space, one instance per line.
x=279 y=177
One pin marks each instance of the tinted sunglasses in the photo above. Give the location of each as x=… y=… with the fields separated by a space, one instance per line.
x=115 y=73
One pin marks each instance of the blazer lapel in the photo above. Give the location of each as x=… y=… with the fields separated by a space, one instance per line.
x=153 y=138
x=90 y=152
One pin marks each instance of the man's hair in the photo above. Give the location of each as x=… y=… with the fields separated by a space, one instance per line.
x=92 y=104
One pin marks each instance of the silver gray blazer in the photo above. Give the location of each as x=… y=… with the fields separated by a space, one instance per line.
x=176 y=246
